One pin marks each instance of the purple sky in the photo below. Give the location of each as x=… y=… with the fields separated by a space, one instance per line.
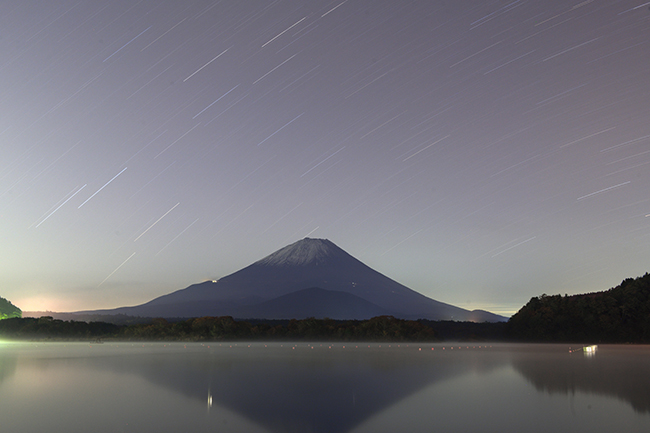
x=479 y=152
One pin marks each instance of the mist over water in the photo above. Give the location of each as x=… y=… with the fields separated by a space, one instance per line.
x=287 y=387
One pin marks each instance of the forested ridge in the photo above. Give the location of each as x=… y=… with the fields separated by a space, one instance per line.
x=617 y=315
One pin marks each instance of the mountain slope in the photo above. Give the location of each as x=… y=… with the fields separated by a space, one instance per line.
x=314 y=302
x=307 y=263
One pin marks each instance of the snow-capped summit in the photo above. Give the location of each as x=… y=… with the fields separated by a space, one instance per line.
x=304 y=252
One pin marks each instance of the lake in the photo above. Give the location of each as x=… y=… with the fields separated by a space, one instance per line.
x=303 y=387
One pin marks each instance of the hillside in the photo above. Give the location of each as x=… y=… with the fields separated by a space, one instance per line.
x=620 y=314
x=8 y=310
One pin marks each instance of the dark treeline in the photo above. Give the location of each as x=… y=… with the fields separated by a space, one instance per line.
x=383 y=328
x=46 y=327
x=468 y=331
x=618 y=315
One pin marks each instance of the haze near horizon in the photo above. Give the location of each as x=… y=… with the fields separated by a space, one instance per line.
x=478 y=152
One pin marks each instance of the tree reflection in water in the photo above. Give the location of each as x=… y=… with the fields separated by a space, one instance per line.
x=622 y=371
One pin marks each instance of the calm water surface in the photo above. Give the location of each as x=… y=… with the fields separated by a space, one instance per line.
x=273 y=387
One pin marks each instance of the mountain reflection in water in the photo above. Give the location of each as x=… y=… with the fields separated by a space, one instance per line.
x=312 y=388
x=316 y=387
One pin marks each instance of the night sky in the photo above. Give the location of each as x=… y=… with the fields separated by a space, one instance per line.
x=479 y=152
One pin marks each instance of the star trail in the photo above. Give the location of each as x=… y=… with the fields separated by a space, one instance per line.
x=479 y=152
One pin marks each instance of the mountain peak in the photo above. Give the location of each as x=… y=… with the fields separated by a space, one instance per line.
x=304 y=252
x=307 y=278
